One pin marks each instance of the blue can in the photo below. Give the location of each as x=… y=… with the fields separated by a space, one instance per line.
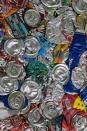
x=77 y=48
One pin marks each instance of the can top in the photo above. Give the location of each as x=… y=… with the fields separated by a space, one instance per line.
x=16 y=100
x=14 y=47
x=80 y=6
x=32 y=17
x=7 y=85
x=49 y=110
x=32 y=46
x=60 y=73
x=30 y=89
x=34 y=116
x=79 y=122
x=14 y=70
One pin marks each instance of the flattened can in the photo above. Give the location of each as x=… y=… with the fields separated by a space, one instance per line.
x=35 y=118
x=32 y=91
x=80 y=6
x=14 y=47
x=7 y=85
x=16 y=100
x=60 y=73
x=78 y=78
x=50 y=110
x=32 y=17
x=32 y=46
x=79 y=122
x=14 y=70
x=67 y=26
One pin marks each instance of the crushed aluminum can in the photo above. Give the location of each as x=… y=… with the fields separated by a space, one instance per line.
x=16 y=100
x=80 y=6
x=54 y=91
x=67 y=26
x=8 y=85
x=60 y=73
x=32 y=46
x=32 y=17
x=79 y=122
x=53 y=32
x=14 y=70
x=14 y=47
x=35 y=118
x=78 y=78
x=32 y=91
x=57 y=93
x=50 y=109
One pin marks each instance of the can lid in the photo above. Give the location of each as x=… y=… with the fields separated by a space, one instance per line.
x=7 y=85
x=14 y=47
x=16 y=100
x=79 y=122
x=30 y=89
x=60 y=73
x=32 y=17
x=14 y=70
x=80 y=6
x=78 y=78
x=49 y=110
x=32 y=46
x=67 y=26
x=53 y=32
x=34 y=117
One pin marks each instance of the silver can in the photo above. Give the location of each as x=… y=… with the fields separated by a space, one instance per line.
x=55 y=92
x=32 y=46
x=80 y=6
x=35 y=118
x=53 y=32
x=14 y=47
x=7 y=85
x=50 y=110
x=67 y=26
x=31 y=90
x=80 y=122
x=60 y=73
x=58 y=92
x=32 y=17
x=78 y=78
x=14 y=70
x=16 y=100
x=51 y=3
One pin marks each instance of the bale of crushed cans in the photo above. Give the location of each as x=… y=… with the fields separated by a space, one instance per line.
x=43 y=65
